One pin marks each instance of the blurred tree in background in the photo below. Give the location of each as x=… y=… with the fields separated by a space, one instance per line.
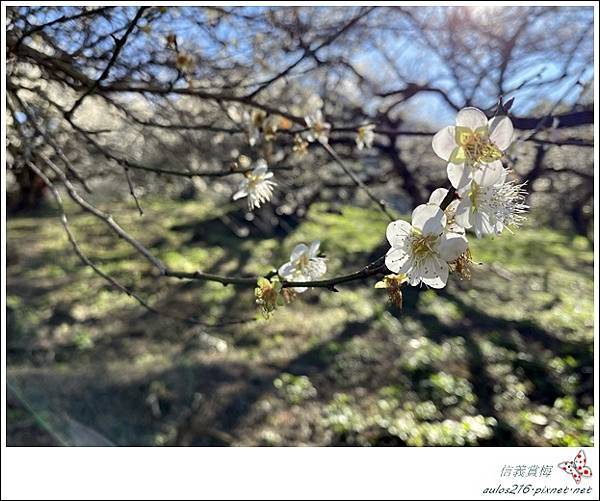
x=148 y=117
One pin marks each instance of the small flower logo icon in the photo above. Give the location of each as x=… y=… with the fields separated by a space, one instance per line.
x=577 y=468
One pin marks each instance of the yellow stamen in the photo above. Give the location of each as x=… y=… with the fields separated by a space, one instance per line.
x=475 y=146
x=422 y=246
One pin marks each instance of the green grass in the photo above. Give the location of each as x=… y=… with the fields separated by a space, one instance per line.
x=503 y=359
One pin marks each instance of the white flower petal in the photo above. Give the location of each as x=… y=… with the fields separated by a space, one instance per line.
x=471 y=118
x=397 y=260
x=317 y=267
x=235 y=113
x=481 y=224
x=443 y=143
x=434 y=273
x=501 y=132
x=459 y=175
x=397 y=232
x=451 y=246
x=429 y=218
x=313 y=251
x=488 y=174
x=299 y=251
x=413 y=278
x=261 y=167
x=462 y=216
x=253 y=136
x=437 y=197
x=286 y=271
x=240 y=194
x=297 y=276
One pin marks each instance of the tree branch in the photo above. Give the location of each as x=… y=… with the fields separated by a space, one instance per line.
x=120 y=43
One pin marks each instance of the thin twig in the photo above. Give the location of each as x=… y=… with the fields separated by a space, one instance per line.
x=119 y=44
x=380 y=203
x=132 y=191
x=114 y=282
x=70 y=168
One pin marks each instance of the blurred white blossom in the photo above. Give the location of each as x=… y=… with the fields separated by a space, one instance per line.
x=185 y=62
x=365 y=136
x=304 y=265
x=250 y=121
x=300 y=145
x=257 y=185
x=318 y=128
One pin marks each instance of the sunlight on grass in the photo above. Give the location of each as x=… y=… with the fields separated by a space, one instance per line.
x=353 y=368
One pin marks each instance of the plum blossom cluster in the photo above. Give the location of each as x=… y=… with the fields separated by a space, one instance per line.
x=489 y=202
x=434 y=242
x=254 y=123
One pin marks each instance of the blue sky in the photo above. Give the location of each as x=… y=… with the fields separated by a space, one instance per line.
x=419 y=63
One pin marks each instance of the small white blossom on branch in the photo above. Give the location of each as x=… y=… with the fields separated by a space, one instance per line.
x=365 y=136
x=474 y=147
x=271 y=126
x=319 y=128
x=490 y=209
x=422 y=250
x=300 y=145
x=304 y=265
x=250 y=121
x=257 y=186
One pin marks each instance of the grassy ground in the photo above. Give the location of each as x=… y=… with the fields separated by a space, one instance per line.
x=503 y=359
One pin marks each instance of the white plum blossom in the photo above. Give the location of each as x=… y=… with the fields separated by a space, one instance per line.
x=490 y=209
x=422 y=250
x=473 y=147
x=300 y=145
x=436 y=198
x=271 y=126
x=312 y=104
x=318 y=127
x=257 y=185
x=304 y=265
x=250 y=121
x=365 y=136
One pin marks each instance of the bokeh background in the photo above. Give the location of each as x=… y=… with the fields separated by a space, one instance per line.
x=504 y=359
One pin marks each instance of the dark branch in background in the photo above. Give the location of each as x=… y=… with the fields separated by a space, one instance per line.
x=61 y=19
x=119 y=44
x=70 y=168
x=132 y=192
x=111 y=280
x=378 y=201
x=310 y=52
